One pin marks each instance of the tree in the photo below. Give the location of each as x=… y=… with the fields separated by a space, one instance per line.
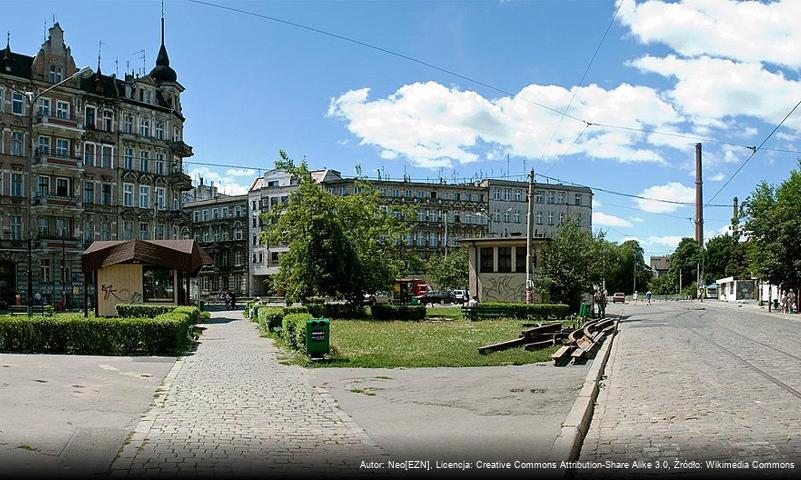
x=622 y=261
x=724 y=257
x=571 y=264
x=448 y=273
x=684 y=262
x=340 y=247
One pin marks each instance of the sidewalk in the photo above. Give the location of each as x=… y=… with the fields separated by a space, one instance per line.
x=230 y=408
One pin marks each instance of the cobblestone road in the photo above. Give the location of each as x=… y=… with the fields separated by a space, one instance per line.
x=230 y=408
x=694 y=381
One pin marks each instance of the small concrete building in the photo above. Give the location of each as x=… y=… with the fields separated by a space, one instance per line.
x=145 y=272
x=497 y=268
x=732 y=289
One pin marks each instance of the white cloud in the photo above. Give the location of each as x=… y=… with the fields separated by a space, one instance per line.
x=717 y=177
x=240 y=172
x=224 y=184
x=670 y=241
x=636 y=219
x=709 y=90
x=434 y=126
x=747 y=31
x=603 y=219
x=672 y=191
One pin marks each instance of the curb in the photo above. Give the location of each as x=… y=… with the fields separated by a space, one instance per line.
x=567 y=445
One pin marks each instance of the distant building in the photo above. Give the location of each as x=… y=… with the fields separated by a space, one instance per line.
x=202 y=192
x=660 y=264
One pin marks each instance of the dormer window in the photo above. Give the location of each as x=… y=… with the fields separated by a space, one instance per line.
x=147 y=96
x=56 y=74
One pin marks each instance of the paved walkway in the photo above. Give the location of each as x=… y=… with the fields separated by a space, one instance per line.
x=698 y=382
x=231 y=409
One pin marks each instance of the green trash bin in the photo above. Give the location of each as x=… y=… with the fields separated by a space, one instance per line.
x=318 y=332
x=583 y=310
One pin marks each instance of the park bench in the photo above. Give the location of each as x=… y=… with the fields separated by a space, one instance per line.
x=36 y=309
x=481 y=312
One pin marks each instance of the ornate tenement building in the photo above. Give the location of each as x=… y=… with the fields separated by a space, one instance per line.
x=220 y=225
x=95 y=158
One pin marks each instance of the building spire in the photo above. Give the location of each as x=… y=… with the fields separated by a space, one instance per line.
x=162 y=72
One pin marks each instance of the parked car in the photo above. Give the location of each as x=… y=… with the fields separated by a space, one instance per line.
x=460 y=296
x=619 y=297
x=378 y=298
x=435 y=296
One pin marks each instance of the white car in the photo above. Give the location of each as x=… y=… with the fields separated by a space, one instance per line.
x=460 y=296
x=378 y=298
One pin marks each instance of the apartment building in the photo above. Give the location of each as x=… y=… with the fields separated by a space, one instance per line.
x=220 y=225
x=95 y=158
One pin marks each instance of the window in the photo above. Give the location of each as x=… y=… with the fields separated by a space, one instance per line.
x=89 y=192
x=127 y=230
x=16 y=227
x=275 y=257
x=127 y=194
x=468 y=217
x=88 y=231
x=237 y=233
x=105 y=231
x=88 y=154
x=486 y=264
x=159 y=164
x=16 y=144
x=517 y=216
x=158 y=284
x=160 y=130
x=505 y=259
x=127 y=123
x=550 y=197
x=16 y=103
x=539 y=218
x=215 y=213
x=144 y=127
x=127 y=158
x=205 y=214
x=44 y=226
x=561 y=198
x=161 y=196
x=45 y=269
x=144 y=196
x=144 y=161
x=62 y=110
x=176 y=134
x=43 y=107
x=16 y=184
x=108 y=154
x=143 y=231
x=2 y=100
x=506 y=193
x=43 y=145
x=225 y=212
x=62 y=147
x=237 y=258
x=44 y=186
x=90 y=120
x=160 y=231
x=56 y=74
x=561 y=219
x=496 y=215
x=108 y=121
x=578 y=199
x=63 y=227
x=550 y=218
x=506 y=216
x=62 y=187
x=518 y=195
x=520 y=259
x=237 y=211
x=106 y=194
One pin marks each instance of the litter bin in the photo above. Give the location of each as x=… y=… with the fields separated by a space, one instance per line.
x=583 y=310
x=318 y=332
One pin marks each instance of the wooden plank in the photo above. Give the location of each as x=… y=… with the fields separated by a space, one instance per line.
x=562 y=356
x=495 y=347
x=548 y=327
x=538 y=345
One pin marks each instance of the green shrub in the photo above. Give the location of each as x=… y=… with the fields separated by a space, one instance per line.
x=293 y=330
x=165 y=334
x=269 y=318
x=136 y=310
x=398 y=312
x=336 y=310
x=533 y=311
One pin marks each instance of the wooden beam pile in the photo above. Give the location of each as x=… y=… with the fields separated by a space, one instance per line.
x=584 y=342
x=542 y=336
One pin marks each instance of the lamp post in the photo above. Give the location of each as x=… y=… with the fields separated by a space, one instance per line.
x=32 y=98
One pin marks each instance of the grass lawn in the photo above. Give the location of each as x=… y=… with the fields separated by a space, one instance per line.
x=451 y=313
x=359 y=343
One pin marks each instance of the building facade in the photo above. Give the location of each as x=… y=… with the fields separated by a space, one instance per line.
x=220 y=226
x=660 y=264
x=95 y=158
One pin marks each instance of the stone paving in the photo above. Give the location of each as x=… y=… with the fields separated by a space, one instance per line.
x=698 y=382
x=231 y=409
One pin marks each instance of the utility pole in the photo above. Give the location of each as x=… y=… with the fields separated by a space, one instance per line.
x=529 y=240
x=679 y=281
x=446 y=234
x=699 y=198
x=735 y=219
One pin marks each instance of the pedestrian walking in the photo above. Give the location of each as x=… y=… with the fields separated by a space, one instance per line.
x=233 y=301
x=634 y=297
x=784 y=301
x=600 y=299
x=648 y=297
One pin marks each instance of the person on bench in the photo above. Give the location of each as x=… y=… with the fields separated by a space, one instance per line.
x=473 y=302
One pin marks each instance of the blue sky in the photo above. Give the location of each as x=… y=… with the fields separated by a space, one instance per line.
x=722 y=70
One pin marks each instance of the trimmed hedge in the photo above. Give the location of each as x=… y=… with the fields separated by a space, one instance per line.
x=166 y=334
x=293 y=330
x=398 y=312
x=140 y=311
x=269 y=318
x=533 y=311
x=336 y=310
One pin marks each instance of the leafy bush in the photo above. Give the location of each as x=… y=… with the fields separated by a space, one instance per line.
x=336 y=310
x=293 y=330
x=523 y=311
x=148 y=311
x=269 y=318
x=166 y=334
x=398 y=312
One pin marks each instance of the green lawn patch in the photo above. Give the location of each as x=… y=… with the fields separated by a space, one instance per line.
x=450 y=313
x=392 y=344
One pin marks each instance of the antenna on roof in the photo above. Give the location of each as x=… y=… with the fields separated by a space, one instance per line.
x=44 y=30
x=116 y=67
x=141 y=54
x=99 y=50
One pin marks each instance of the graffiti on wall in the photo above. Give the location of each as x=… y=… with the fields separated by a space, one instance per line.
x=501 y=289
x=123 y=294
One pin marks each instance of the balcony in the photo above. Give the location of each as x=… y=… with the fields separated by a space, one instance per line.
x=56 y=158
x=60 y=121
x=180 y=216
x=53 y=240
x=181 y=149
x=57 y=201
x=180 y=180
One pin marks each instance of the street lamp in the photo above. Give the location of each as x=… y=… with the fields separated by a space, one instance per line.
x=32 y=98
